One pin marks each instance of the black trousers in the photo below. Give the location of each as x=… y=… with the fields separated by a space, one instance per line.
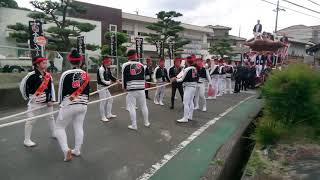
x=244 y=83
x=176 y=86
x=252 y=82
x=238 y=85
x=147 y=92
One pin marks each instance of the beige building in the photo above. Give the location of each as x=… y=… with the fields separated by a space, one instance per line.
x=135 y=26
x=10 y=16
x=200 y=37
x=302 y=32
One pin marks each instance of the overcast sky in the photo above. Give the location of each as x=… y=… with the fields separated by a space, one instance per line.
x=232 y=13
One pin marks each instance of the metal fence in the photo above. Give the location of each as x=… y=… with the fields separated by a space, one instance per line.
x=18 y=60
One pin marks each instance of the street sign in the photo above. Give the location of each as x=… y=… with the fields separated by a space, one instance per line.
x=41 y=41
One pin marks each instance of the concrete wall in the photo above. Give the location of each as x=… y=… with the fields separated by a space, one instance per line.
x=198 y=45
x=298 y=32
x=10 y=16
x=297 y=49
x=106 y=15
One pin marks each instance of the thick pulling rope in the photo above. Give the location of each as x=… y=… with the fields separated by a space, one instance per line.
x=54 y=112
x=56 y=103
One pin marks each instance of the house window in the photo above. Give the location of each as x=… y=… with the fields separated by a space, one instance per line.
x=112 y=28
x=130 y=33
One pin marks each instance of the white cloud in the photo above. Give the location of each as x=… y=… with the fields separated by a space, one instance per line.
x=232 y=13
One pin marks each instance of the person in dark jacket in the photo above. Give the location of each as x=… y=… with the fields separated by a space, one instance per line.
x=173 y=72
x=149 y=74
x=238 y=77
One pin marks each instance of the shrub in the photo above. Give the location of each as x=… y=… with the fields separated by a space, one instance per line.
x=268 y=131
x=292 y=95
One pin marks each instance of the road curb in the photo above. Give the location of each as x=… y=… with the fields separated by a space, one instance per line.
x=192 y=162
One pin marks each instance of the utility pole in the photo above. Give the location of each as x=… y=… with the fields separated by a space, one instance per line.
x=277 y=16
x=277 y=11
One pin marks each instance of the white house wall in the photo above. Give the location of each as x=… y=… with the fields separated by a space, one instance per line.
x=12 y=16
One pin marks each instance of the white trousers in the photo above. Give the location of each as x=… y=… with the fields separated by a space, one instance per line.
x=258 y=70
x=159 y=95
x=229 y=85
x=75 y=114
x=221 y=84
x=200 y=94
x=215 y=84
x=188 y=96
x=105 y=105
x=132 y=98
x=29 y=124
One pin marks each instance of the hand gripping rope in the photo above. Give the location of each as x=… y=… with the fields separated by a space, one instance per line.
x=54 y=112
x=56 y=103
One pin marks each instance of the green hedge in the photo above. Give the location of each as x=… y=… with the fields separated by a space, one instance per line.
x=292 y=103
x=292 y=95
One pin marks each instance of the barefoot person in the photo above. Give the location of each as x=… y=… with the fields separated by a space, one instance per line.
x=73 y=98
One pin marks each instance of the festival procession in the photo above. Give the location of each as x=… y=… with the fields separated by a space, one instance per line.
x=91 y=91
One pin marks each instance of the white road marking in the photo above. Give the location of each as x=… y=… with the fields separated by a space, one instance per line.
x=166 y=158
x=249 y=92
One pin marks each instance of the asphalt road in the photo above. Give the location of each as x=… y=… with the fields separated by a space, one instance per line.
x=110 y=150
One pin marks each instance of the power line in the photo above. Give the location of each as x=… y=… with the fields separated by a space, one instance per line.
x=291 y=9
x=314 y=2
x=302 y=6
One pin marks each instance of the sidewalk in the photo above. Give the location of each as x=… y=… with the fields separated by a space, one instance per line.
x=192 y=162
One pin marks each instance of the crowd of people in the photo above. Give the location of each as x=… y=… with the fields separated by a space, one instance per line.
x=197 y=81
